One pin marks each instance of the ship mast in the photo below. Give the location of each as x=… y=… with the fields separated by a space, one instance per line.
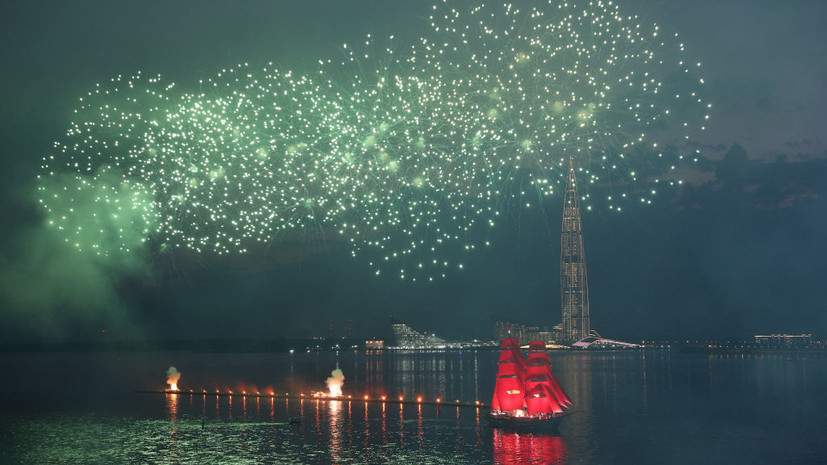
x=574 y=288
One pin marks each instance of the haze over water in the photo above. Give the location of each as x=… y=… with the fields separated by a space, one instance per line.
x=629 y=407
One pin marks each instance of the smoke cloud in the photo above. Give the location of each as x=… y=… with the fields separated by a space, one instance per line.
x=335 y=382
x=172 y=378
x=51 y=288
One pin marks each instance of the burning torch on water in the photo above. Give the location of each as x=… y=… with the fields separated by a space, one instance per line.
x=172 y=378
x=335 y=382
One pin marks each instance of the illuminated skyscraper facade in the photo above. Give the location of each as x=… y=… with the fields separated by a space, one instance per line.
x=574 y=286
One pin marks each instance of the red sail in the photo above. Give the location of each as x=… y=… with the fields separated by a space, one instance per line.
x=558 y=390
x=537 y=376
x=509 y=367
x=511 y=360
x=495 y=400
x=518 y=355
x=509 y=390
x=550 y=382
x=538 y=360
x=512 y=346
x=540 y=400
x=509 y=356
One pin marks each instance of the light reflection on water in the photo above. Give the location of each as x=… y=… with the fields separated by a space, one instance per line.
x=172 y=406
x=511 y=448
x=329 y=431
x=630 y=407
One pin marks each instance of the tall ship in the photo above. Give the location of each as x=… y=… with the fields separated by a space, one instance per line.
x=526 y=394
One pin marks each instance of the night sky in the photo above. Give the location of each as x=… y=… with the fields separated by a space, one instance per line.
x=739 y=249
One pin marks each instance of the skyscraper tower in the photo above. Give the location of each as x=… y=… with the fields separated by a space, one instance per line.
x=574 y=285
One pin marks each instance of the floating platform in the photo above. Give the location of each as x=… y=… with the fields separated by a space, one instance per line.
x=419 y=400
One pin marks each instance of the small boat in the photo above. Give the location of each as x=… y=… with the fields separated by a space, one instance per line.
x=527 y=396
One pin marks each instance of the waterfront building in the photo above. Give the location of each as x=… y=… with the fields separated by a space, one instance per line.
x=594 y=342
x=504 y=329
x=784 y=340
x=408 y=338
x=512 y=330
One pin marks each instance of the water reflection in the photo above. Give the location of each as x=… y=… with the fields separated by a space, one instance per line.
x=632 y=407
x=230 y=407
x=419 y=427
x=435 y=374
x=384 y=425
x=367 y=427
x=336 y=446
x=172 y=406
x=520 y=448
x=172 y=414
x=401 y=427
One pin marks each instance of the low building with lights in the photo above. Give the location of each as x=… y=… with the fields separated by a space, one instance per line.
x=409 y=338
x=504 y=329
x=595 y=342
x=785 y=341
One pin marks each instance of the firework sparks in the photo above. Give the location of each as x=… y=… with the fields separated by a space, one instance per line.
x=405 y=154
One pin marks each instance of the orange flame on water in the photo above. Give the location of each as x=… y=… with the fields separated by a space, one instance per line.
x=172 y=378
x=335 y=382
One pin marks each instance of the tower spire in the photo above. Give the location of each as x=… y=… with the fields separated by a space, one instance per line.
x=574 y=286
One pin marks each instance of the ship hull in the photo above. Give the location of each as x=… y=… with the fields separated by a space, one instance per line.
x=544 y=424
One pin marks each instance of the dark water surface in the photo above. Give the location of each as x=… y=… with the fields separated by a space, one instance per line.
x=630 y=407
